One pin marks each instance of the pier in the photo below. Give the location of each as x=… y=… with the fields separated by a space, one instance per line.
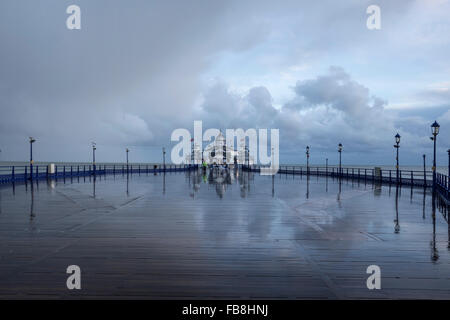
x=189 y=235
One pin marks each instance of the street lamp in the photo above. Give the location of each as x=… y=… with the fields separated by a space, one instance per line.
x=94 y=147
x=307 y=159
x=164 y=159
x=397 y=146
x=247 y=151
x=32 y=140
x=434 y=131
x=424 y=171
x=340 y=158
x=127 y=151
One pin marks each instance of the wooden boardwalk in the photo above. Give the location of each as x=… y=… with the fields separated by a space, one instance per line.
x=185 y=236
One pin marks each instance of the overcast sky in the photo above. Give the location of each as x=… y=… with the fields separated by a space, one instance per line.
x=137 y=70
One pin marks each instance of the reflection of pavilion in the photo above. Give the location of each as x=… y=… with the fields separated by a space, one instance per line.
x=219 y=153
x=220 y=179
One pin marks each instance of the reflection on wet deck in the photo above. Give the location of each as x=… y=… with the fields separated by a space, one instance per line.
x=214 y=235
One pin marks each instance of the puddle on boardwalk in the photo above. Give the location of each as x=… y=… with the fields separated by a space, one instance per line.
x=236 y=235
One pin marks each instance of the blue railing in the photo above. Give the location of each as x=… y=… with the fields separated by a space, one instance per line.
x=407 y=177
x=443 y=185
x=10 y=174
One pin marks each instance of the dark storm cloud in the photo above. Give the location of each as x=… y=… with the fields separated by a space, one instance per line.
x=128 y=77
x=136 y=71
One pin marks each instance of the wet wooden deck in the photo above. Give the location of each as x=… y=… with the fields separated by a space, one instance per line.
x=189 y=237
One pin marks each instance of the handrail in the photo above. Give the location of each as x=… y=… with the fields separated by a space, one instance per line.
x=376 y=174
x=443 y=185
x=11 y=174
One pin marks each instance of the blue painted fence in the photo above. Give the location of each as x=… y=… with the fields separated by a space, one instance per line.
x=11 y=174
x=421 y=178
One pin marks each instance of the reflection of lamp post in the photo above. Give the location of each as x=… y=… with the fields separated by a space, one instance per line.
x=434 y=251
x=340 y=158
x=434 y=131
x=307 y=159
x=340 y=190
x=94 y=147
x=32 y=140
x=397 y=146
x=247 y=151
x=397 y=224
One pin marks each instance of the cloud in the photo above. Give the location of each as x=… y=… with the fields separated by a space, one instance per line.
x=325 y=110
x=137 y=70
x=129 y=76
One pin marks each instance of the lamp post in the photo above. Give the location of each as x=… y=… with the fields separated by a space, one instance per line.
x=127 y=151
x=164 y=159
x=397 y=146
x=340 y=158
x=434 y=131
x=94 y=147
x=307 y=159
x=248 y=156
x=424 y=171
x=32 y=140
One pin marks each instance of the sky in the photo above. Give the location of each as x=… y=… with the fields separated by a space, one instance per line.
x=139 y=69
